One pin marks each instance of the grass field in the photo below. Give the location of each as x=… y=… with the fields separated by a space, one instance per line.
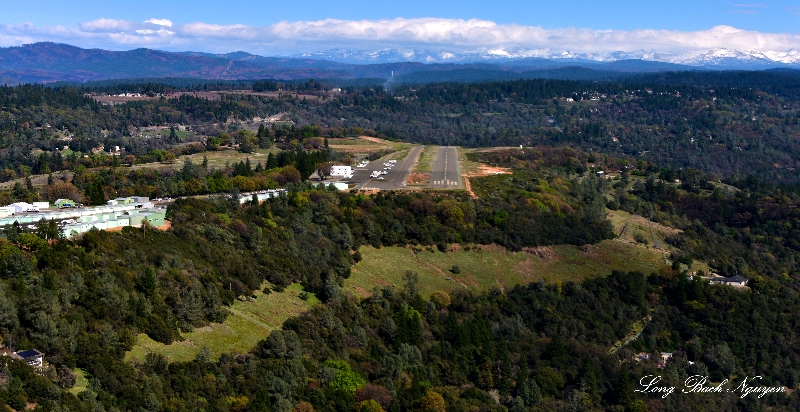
x=81 y=382
x=215 y=159
x=484 y=267
x=248 y=323
x=371 y=144
x=425 y=163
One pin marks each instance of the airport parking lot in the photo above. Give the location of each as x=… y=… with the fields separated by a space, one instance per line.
x=395 y=177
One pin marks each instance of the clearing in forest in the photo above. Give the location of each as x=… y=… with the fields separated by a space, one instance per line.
x=483 y=267
x=248 y=323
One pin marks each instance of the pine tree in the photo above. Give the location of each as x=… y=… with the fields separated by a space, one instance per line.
x=272 y=162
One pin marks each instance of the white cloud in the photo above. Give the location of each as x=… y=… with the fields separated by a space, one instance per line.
x=160 y=22
x=453 y=34
x=107 y=25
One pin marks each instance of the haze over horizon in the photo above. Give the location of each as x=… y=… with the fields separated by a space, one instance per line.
x=311 y=26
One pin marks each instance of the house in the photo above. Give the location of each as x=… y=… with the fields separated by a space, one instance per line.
x=31 y=356
x=735 y=281
x=341 y=170
x=23 y=207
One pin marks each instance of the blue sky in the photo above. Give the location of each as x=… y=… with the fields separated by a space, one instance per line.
x=285 y=27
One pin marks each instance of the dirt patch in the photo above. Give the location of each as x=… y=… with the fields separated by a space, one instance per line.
x=383 y=282
x=471 y=280
x=358 y=290
x=416 y=178
x=542 y=252
x=468 y=186
x=485 y=170
x=525 y=267
x=167 y=224
x=375 y=140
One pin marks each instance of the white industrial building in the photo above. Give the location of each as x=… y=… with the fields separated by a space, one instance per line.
x=23 y=207
x=341 y=170
x=130 y=211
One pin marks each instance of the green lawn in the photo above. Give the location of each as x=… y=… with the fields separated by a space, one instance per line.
x=485 y=267
x=80 y=383
x=248 y=323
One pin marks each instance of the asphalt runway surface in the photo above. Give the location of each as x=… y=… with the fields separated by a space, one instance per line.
x=394 y=179
x=445 y=173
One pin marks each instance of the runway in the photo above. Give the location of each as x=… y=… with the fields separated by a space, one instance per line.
x=445 y=173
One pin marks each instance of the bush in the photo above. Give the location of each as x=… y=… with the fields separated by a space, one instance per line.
x=441 y=299
x=347 y=381
x=369 y=406
x=433 y=401
x=455 y=269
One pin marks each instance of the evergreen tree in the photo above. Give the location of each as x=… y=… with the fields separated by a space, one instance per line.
x=272 y=162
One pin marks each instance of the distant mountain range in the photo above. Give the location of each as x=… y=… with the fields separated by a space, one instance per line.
x=51 y=62
x=713 y=58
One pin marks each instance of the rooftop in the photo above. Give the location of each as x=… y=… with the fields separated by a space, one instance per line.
x=30 y=353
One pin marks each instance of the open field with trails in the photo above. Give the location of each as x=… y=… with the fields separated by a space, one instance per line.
x=627 y=226
x=248 y=323
x=483 y=267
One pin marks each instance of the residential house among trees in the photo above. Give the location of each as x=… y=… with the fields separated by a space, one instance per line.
x=735 y=281
x=31 y=356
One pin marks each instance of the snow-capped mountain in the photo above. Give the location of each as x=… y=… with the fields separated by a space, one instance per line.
x=713 y=58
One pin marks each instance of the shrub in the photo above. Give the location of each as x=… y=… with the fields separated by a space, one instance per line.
x=441 y=299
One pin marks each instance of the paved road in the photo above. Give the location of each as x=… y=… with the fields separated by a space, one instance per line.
x=395 y=178
x=445 y=173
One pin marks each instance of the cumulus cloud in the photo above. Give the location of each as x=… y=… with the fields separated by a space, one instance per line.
x=454 y=34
